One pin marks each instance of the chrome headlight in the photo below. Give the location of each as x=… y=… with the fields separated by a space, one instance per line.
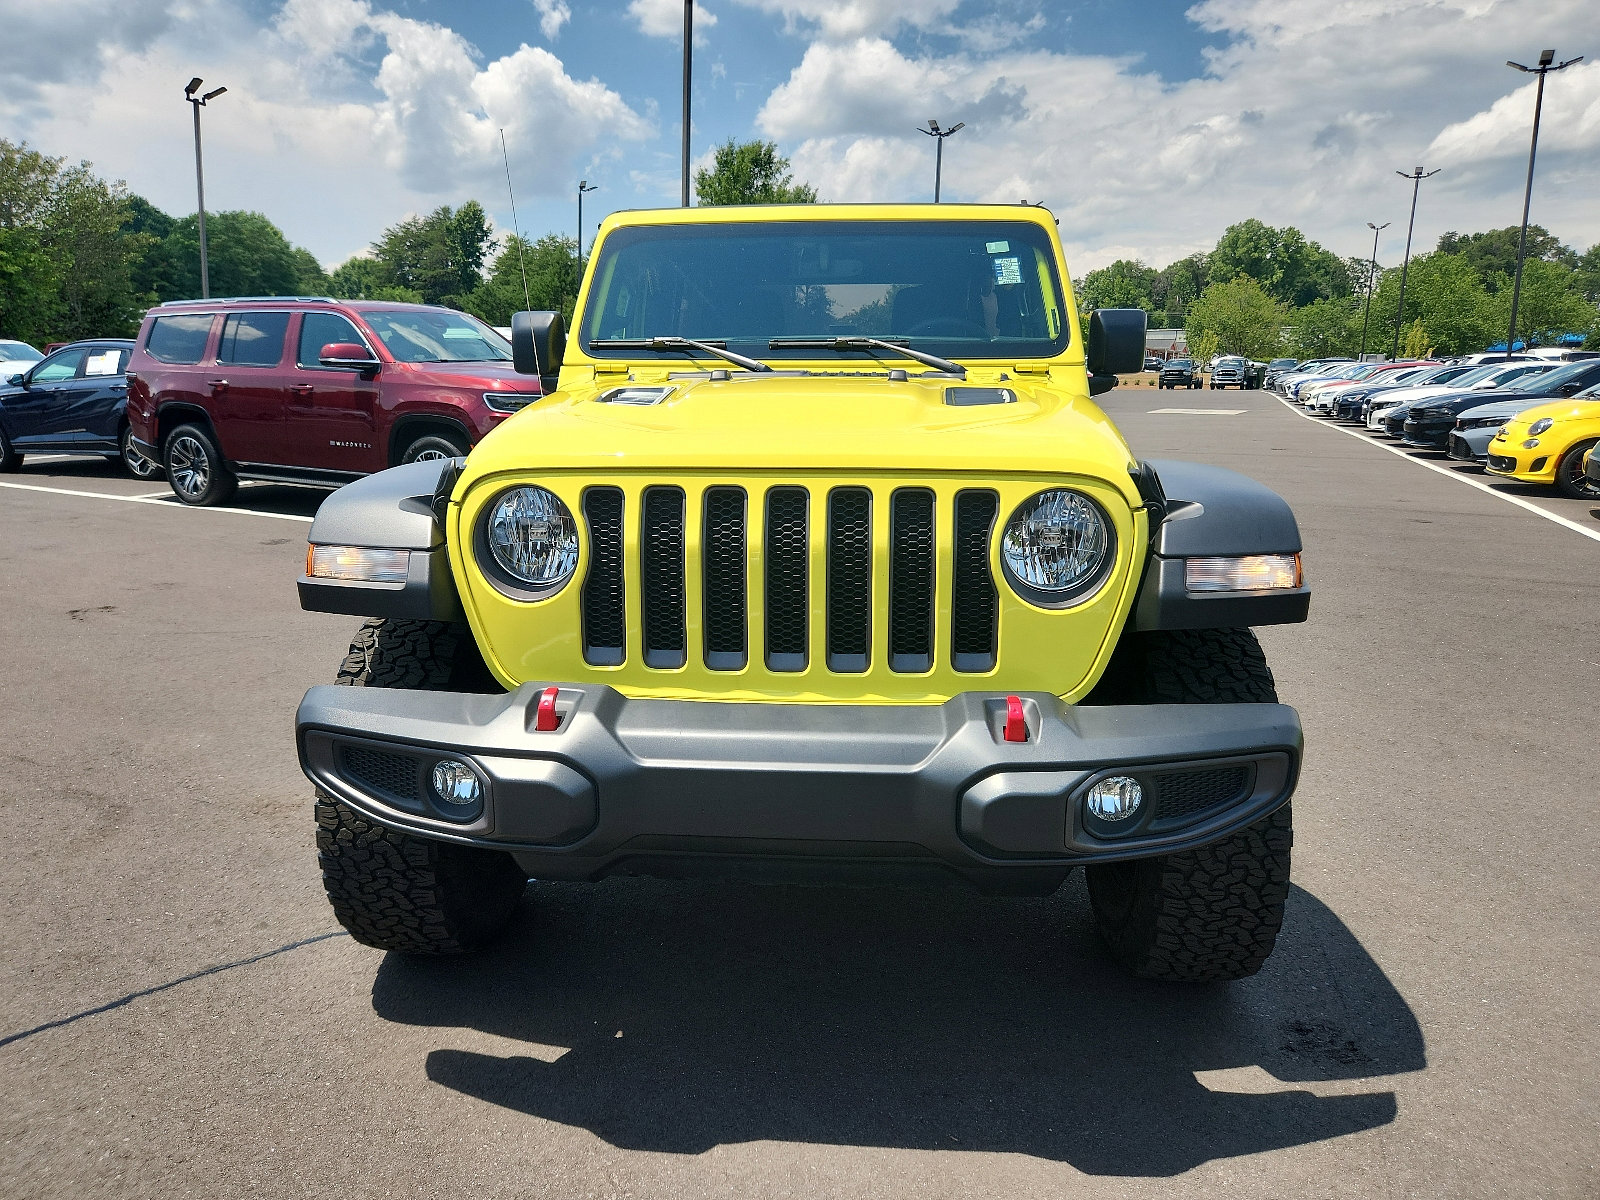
x=1057 y=548
x=531 y=539
x=1539 y=426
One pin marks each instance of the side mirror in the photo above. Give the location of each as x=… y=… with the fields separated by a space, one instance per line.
x=352 y=355
x=1116 y=346
x=538 y=344
x=18 y=381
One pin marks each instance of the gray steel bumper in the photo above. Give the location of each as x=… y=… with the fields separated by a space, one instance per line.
x=670 y=787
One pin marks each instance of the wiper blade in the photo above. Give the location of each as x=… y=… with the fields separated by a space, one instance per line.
x=720 y=349
x=868 y=343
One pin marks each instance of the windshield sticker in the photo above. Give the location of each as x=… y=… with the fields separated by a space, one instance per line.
x=997 y=247
x=1008 y=270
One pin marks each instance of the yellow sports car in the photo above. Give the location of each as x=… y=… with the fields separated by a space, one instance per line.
x=817 y=561
x=1549 y=444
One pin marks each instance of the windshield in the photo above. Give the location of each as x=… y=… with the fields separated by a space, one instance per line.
x=19 y=352
x=436 y=336
x=1552 y=380
x=964 y=289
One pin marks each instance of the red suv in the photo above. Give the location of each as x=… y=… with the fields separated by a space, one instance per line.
x=309 y=390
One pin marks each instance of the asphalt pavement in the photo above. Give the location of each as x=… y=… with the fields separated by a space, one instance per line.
x=179 y=1014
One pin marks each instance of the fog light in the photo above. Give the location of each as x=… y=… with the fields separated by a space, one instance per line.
x=1115 y=798
x=456 y=783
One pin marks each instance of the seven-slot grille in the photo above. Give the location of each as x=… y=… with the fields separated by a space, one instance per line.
x=816 y=553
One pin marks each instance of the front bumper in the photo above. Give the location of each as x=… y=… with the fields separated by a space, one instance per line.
x=1427 y=434
x=1537 y=465
x=781 y=790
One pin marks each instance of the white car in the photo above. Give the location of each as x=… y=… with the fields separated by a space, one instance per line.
x=15 y=358
x=1480 y=379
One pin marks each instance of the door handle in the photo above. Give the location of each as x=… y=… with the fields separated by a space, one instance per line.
x=119 y=387
x=301 y=389
x=218 y=385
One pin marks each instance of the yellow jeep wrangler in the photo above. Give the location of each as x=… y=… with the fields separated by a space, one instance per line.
x=816 y=563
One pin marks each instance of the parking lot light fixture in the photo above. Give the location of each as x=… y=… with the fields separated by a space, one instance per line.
x=583 y=186
x=939 y=136
x=1546 y=59
x=1372 y=279
x=1416 y=178
x=199 y=102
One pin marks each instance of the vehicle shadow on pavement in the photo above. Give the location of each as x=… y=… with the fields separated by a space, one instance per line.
x=697 y=1015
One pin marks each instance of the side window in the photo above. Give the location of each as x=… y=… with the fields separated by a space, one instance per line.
x=319 y=329
x=59 y=366
x=178 y=339
x=253 y=339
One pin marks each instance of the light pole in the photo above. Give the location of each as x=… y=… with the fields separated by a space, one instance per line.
x=688 y=63
x=200 y=175
x=583 y=186
x=939 y=136
x=1546 y=57
x=1372 y=273
x=1416 y=178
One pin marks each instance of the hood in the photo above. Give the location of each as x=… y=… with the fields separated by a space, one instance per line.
x=1558 y=411
x=499 y=377
x=798 y=421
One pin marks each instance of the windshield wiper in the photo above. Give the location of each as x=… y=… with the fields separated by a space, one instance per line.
x=868 y=343
x=720 y=349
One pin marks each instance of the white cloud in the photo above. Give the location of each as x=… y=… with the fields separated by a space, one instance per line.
x=1570 y=121
x=553 y=14
x=843 y=20
x=664 y=19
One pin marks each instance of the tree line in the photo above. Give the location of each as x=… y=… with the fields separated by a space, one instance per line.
x=1263 y=292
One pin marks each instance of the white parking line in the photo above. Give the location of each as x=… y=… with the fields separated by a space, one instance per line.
x=1200 y=412
x=168 y=502
x=1592 y=534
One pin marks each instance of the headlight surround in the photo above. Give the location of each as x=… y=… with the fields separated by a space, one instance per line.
x=1539 y=426
x=1057 y=548
x=528 y=542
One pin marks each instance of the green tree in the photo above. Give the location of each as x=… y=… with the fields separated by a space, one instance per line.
x=554 y=273
x=310 y=278
x=154 y=270
x=1124 y=284
x=1493 y=255
x=1175 y=289
x=363 y=278
x=1550 y=305
x=246 y=255
x=1287 y=266
x=1242 y=316
x=1327 y=327
x=1588 y=274
x=439 y=256
x=750 y=173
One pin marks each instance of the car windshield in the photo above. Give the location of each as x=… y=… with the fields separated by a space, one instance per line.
x=19 y=352
x=1552 y=380
x=436 y=336
x=962 y=288
x=1178 y=362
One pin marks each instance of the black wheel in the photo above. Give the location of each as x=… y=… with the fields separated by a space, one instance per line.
x=195 y=467
x=10 y=460
x=133 y=462
x=390 y=889
x=431 y=446
x=1569 y=473
x=1211 y=914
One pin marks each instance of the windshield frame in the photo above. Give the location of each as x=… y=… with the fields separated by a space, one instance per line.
x=1020 y=237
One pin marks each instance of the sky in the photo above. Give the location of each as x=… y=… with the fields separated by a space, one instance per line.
x=1146 y=126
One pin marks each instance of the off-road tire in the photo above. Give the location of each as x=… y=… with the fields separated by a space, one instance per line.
x=1570 y=479
x=389 y=889
x=1211 y=914
x=10 y=460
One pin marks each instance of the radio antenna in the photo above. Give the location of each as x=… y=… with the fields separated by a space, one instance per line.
x=521 y=262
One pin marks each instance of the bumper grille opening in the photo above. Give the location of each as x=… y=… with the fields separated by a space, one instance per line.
x=787 y=597
x=1184 y=794
x=849 y=579
x=724 y=549
x=974 y=602
x=604 y=643
x=393 y=777
x=661 y=581
x=911 y=571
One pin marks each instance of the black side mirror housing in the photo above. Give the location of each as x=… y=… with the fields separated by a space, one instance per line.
x=538 y=344
x=1116 y=341
x=18 y=381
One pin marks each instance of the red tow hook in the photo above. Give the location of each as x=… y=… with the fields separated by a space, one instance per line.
x=1016 y=720
x=546 y=719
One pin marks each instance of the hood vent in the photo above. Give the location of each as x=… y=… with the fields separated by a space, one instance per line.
x=964 y=397
x=638 y=396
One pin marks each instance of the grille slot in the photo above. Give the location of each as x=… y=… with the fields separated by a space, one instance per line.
x=1184 y=794
x=974 y=602
x=604 y=641
x=911 y=570
x=394 y=777
x=787 y=596
x=849 y=579
x=661 y=573
x=723 y=548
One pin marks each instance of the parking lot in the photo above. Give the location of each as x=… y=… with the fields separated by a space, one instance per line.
x=179 y=1013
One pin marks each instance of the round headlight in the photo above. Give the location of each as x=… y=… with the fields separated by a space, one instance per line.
x=1539 y=426
x=532 y=537
x=1057 y=547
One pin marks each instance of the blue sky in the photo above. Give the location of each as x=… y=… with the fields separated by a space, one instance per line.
x=1147 y=127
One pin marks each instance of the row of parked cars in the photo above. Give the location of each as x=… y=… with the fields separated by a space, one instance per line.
x=287 y=389
x=1534 y=417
